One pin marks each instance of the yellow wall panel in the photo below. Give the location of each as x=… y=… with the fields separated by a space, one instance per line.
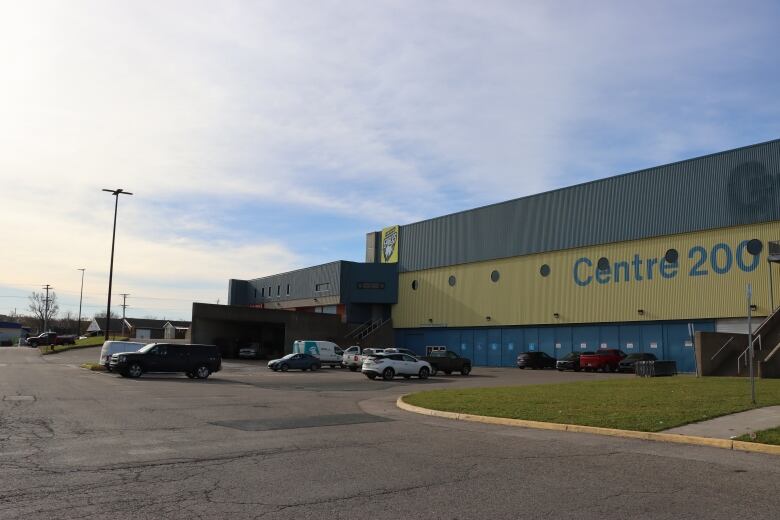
x=701 y=286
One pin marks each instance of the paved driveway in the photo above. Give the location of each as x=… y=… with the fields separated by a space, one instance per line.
x=251 y=443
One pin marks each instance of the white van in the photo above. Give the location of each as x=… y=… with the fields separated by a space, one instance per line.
x=328 y=353
x=115 y=347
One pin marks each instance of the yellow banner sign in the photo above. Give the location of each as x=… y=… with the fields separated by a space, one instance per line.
x=390 y=245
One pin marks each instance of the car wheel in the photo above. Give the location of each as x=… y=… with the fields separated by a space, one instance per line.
x=353 y=369
x=424 y=372
x=371 y=376
x=135 y=370
x=202 y=372
x=190 y=375
x=108 y=368
x=466 y=370
x=560 y=370
x=314 y=367
x=284 y=367
x=388 y=374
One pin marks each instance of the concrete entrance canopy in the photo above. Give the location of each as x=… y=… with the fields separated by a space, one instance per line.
x=273 y=331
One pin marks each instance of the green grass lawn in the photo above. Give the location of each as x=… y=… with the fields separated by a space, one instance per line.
x=80 y=343
x=642 y=404
x=770 y=436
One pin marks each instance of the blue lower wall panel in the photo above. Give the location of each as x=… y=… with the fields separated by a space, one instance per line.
x=499 y=346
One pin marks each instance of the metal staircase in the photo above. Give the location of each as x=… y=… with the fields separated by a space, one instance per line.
x=366 y=329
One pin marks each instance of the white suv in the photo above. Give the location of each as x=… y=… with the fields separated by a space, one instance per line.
x=354 y=357
x=389 y=365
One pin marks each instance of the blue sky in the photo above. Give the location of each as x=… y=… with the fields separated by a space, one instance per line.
x=260 y=137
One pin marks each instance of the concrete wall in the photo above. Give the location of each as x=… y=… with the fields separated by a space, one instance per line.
x=725 y=363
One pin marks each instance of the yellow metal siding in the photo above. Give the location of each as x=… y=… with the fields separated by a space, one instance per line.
x=523 y=297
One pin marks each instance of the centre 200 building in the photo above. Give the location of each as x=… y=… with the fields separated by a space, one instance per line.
x=638 y=262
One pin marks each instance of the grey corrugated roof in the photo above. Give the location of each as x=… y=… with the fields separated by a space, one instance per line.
x=740 y=186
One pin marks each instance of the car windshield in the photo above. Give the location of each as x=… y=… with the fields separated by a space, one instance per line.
x=147 y=348
x=632 y=357
x=571 y=356
x=288 y=356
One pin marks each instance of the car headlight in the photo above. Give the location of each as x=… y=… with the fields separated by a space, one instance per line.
x=122 y=358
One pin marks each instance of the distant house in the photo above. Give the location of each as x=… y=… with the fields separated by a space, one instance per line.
x=10 y=332
x=156 y=329
x=98 y=326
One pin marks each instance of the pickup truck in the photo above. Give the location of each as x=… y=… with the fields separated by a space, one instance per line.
x=606 y=360
x=51 y=338
x=448 y=362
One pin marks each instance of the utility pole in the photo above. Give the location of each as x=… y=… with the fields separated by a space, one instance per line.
x=81 y=297
x=124 y=306
x=750 y=342
x=116 y=193
x=46 y=309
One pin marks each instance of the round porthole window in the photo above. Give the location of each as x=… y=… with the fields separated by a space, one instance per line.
x=544 y=270
x=452 y=281
x=671 y=256
x=414 y=285
x=495 y=276
x=754 y=246
x=603 y=264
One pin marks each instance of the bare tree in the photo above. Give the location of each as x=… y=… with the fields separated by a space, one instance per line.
x=42 y=313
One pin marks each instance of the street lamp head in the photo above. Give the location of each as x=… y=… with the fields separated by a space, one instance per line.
x=118 y=191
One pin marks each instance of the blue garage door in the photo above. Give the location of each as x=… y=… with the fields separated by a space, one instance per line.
x=630 y=339
x=562 y=341
x=466 y=344
x=609 y=336
x=480 y=348
x=679 y=347
x=494 y=347
x=531 y=339
x=415 y=342
x=585 y=338
x=512 y=341
x=547 y=341
x=653 y=340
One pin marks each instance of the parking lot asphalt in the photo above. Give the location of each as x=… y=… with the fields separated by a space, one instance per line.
x=252 y=443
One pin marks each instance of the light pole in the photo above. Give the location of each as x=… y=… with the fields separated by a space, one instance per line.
x=116 y=193
x=81 y=297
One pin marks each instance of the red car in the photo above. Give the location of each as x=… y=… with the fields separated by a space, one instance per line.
x=606 y=360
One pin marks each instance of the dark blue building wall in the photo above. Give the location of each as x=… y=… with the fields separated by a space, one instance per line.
x=499 y=346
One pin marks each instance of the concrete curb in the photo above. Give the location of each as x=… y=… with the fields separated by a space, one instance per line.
x=728 y=444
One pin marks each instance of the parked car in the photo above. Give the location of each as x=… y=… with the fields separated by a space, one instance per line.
x=295 y=361
x=110 y=348
x=327 y=352
x=570 y=361
x=250 y=351
x=628 y=363
x=352 y=358
x=390 y=365
x=51 y=338
x=448 y=362
x=535 y=360
x=606 y=360
x=197 y=361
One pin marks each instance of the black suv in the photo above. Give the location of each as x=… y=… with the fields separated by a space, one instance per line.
x=535 y=360
x=197 y=361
